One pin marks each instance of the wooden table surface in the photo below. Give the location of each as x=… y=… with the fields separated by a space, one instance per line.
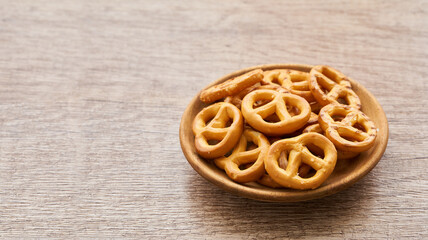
x=92 y=92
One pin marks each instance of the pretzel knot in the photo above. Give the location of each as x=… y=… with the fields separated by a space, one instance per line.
x=273 y=118
x=297 y=152
x=331 y=86
x=217 y=130
x=296 y=82
x=242 y=156
x=353 y=132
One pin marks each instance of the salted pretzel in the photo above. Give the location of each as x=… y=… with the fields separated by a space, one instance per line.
x=217 y=129
x=341 y=155
x=241 y=155
x=331 y=86
x=231 y=86
x=296 y=82
x=354 y=133
x=297 y=153
x=276 y=104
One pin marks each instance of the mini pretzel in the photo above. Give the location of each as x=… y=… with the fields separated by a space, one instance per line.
x=296 y=82
x=237 y=98
x=266 y=180
x=277 y=104
x=341 y=155
x=329 y=85
x=298 y=153
x=241 y=155
x=344 y=134
x=231 y=86
x=221 y=113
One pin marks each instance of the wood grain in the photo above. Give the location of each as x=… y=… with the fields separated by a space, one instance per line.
x=92 y=92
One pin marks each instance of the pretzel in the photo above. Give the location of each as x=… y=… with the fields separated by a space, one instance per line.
x=354 y=133
x=241 y=155
x=277 y=104
x=275 y=87
x=266 y=180
x=231 y=86
x=329 y=86
x=237 y=98
x=297 y=151
x=341 y=155
x=220 y=113
x=296 y=82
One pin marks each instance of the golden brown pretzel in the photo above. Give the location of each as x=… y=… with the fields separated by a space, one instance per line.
x=273 y=87
x=237 y=98
x=227 y=136
x=329 y=86
x=296 y=82
x=297 y=151
x=276 y=104
x=267 y=181
x=241 y=155
x=231 y=86
x=354 y=133
x=341 y=155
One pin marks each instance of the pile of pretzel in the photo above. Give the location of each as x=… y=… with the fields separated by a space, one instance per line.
x=282 y=128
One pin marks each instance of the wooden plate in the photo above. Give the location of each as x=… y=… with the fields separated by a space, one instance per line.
x=344 y=175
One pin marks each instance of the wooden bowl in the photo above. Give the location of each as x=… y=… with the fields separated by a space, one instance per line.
x=344 y=175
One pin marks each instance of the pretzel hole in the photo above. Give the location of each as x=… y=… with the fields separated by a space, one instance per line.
x=208 y=120
x=273 y=118
x=306 y=171
x=293 y=110
x=323 y=89
x=251 y=146
x=275 y=80
x=338 y=118
x=213 y=142
x=260 y=103
x=315 y=150
x=343 y=100
x=229 y=153
x=359 y=127
x=245 y=166
x=228 y=123
x=282 y=160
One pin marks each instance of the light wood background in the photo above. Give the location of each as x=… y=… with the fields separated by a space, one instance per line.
x=92 y=92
